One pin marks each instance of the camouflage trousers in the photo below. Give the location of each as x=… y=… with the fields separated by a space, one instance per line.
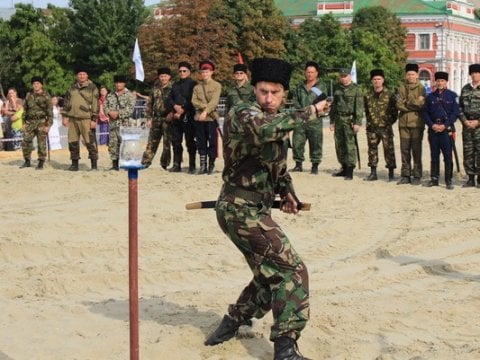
x=280 y=278
x=313 y=132
x=159 y=128
x=385 y=136
x=114 y=141
x=35 y=128
x=411 y=146
x=471 y=151
x=345 y=144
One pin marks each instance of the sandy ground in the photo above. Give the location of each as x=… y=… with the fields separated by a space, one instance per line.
x=394 y=270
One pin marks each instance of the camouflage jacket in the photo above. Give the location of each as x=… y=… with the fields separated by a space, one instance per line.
x=123 y=103
x=255 y=148
x=239 y=94
x=157 y=106
x=347 y=104
x=38 y=106
x=470 y=103
x=303 y=97
x=410 y=105
x=81 y=101
x=380 y=109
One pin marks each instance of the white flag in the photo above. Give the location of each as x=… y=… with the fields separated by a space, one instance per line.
x=353 y=72
x=137 y=59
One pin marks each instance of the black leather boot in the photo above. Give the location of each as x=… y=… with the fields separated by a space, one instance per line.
x=191 y=164
x=177 y=163
x=314 y=170
x=404 y=180
x=115 y=165
x=74 y=166
x=211 y=166
x=349 y=173
x=391 y=175
x=448 y=175
x=373 y=174
x=203 y=165
x=40 y=165
x=341 y=172
x=470 y=182
x=93 y=163
x=26 y=164
x=298 y=166
x=285 y=348
x=227 y=329
x=434 y=174
x=478 y=181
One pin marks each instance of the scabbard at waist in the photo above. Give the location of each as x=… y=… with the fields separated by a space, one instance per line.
x=248 y=195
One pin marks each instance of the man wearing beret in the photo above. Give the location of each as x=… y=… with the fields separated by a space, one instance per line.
x=381 y=113
x=119 y=106
x=411 y=98
x=312 y=131
x=345 y=120
x=470 y=118
x=183 y=123
x=242 y=92
x=255 y=138
x=157 y=120
x=205 y=99
x=37 y=120
x=440 y=113
x=80 y=113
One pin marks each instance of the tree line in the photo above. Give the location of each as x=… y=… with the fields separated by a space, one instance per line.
x=100 y=34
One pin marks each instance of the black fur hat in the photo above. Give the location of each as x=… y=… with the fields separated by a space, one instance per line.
x=377 y=72
x=411 y=67
x=271 y=70
x=119 y=78
x=473 y=68
x=441 y=75
x=240 y=67
x=164 y=70
x=37 y=78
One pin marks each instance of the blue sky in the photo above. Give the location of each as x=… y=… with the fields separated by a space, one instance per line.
x=43 y=3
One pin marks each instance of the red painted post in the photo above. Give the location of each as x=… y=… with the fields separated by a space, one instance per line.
x=133 y=261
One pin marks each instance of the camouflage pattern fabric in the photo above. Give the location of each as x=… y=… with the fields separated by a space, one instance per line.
x=470 y=110
x=311 y=131
x=37 y=115
x=237 y=95
x=381 y=113
x=255 y=162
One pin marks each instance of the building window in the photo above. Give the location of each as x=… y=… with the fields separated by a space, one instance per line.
x=424 y=42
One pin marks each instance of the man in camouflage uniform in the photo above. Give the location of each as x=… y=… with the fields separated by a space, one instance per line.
x=119 y=106
x=157 y=120
x=411 y=98
x=381 y=113
x=312 y=131
x=345 y=120
x=255 y=171
x=37 y=119
x=80 y=113
x=242 y=91
x=470 y=118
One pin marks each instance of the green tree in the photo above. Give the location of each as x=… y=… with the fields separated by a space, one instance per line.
x=104 y=34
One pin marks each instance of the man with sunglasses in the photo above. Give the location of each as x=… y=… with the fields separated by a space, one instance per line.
x=183 y=124
x=242 y=92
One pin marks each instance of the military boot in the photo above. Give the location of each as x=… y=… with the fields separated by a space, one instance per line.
x=203 y=165
x=298 y=166
x=227 y=329
x=349 y=173
x=448 y=175
x=391 y=175
x=286 y=348
x=373 y=174
x=434 y=174
x=177 y=161
x=93 y=163
x=74 y=166
x=191 y=164
x=26 y=164
x=404 y=180
x=470 y=182
x=478 y=181
x=341 y=172
x=211 y=165
x=114 y=165
x=40 y=165
x=314 y=170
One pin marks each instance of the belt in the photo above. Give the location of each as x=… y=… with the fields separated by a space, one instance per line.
x=439 y=121
x=248 y=195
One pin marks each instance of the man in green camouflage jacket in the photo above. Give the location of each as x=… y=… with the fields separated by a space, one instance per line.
x=242 y=91
x=80 y=113
x=37 y=119
x=381 y=113
x=345 y=120
x=119 y=107
x=470 y=118
x=312 y=131
x=157 y=120
x=255 y=171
